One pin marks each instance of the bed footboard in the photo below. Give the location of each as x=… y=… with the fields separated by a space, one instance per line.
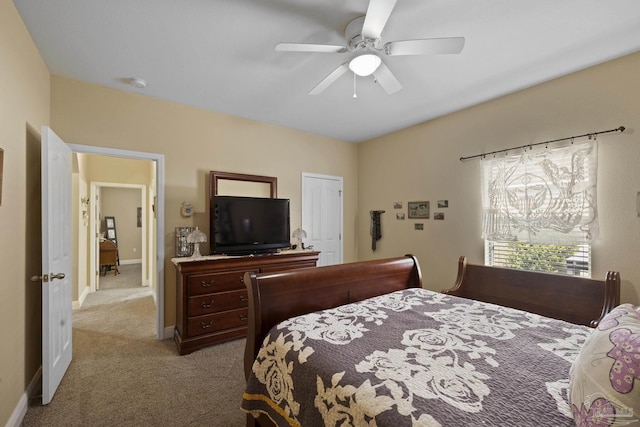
x=574 y=299
x=274 y=297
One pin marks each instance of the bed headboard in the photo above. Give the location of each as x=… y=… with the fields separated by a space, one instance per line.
x=274 y=297
x=571 y=298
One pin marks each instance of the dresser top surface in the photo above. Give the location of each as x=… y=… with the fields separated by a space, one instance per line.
x=179 y=260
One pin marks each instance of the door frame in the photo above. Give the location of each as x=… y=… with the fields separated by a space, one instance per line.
x=159 y=211
x=94 y=241
x=304 y=195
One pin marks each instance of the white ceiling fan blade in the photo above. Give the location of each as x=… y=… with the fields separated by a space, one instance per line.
x=304 y=47
x=425 y=46
x=332 y=77
x=386 y=79
x=376 y=18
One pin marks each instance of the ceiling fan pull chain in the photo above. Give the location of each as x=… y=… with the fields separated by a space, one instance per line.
x=354 y=86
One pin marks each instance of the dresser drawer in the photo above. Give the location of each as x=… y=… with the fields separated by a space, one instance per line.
x=217 y=322
x=213 y=303
x=272 y=269
x=200 y=284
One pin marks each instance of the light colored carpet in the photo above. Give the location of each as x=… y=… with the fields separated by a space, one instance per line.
x=121 y=375
x=130 y=277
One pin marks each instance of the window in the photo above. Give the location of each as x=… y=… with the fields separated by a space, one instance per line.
x=539 y=209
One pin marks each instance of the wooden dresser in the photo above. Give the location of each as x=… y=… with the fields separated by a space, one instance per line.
x=211 y=300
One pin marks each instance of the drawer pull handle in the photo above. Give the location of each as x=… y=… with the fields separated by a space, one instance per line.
x=204 y=325
x=243 y=317
x=243 y=298
x=205 y=305
x=206 y=284
x=241 y=279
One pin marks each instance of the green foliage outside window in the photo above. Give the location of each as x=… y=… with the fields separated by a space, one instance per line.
x=548 y=258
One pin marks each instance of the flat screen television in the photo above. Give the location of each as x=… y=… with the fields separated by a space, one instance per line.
x=249 y=225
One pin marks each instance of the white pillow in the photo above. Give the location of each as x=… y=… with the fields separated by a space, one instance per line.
x=604 y=380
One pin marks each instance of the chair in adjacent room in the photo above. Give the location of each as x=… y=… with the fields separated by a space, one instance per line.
x=108 y=256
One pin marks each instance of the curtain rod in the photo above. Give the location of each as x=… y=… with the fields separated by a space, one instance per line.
x=590 y=135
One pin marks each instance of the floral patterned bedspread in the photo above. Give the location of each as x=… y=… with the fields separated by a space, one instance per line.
x=416 y=358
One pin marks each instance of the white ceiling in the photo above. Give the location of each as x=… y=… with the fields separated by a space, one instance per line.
x=219 y=54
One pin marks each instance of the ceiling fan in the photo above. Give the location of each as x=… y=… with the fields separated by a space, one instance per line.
x=363 y=39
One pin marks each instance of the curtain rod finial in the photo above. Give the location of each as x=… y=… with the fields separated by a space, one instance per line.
x=621 y=128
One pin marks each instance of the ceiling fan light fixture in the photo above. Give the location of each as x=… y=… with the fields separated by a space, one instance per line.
x=365 y=64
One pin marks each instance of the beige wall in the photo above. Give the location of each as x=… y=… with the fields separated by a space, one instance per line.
x=24 y=108
x=194 y=142
x=422 y=163
x=122 y=204
x=414 y=164
x=117 y=170
x=81 y=223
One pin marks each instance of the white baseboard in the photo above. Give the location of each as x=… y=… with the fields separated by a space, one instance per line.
x=130 y=261
x=15 y=420
x=77 y=304
x=168 y=332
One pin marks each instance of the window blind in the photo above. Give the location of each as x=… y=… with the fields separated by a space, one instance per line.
x=540 y=210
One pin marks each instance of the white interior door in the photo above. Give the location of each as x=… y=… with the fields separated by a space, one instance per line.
x=322 y=216
x=56 y=262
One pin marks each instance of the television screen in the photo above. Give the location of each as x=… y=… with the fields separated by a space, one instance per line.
x=249 y=225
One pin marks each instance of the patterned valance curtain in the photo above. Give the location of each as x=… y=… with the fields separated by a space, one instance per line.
x=543 y=196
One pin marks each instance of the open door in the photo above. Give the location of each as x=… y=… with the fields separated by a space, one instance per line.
x=56 y=262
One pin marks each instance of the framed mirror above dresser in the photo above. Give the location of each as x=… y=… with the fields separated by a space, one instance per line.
x=238 y=184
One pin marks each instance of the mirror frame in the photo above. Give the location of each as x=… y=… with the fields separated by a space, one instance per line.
x=214 y=176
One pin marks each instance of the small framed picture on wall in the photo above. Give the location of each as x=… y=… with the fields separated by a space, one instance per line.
x=418 y=209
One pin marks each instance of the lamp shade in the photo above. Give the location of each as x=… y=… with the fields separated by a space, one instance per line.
x=196 y=236
x=365 y=64
x=299 y=233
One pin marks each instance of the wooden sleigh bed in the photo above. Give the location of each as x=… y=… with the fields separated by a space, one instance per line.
x=374 y=348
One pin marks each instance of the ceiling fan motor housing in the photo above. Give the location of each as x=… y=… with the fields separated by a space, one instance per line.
x=353 y=35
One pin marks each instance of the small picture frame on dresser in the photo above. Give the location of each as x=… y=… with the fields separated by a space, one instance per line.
x=183 y=248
